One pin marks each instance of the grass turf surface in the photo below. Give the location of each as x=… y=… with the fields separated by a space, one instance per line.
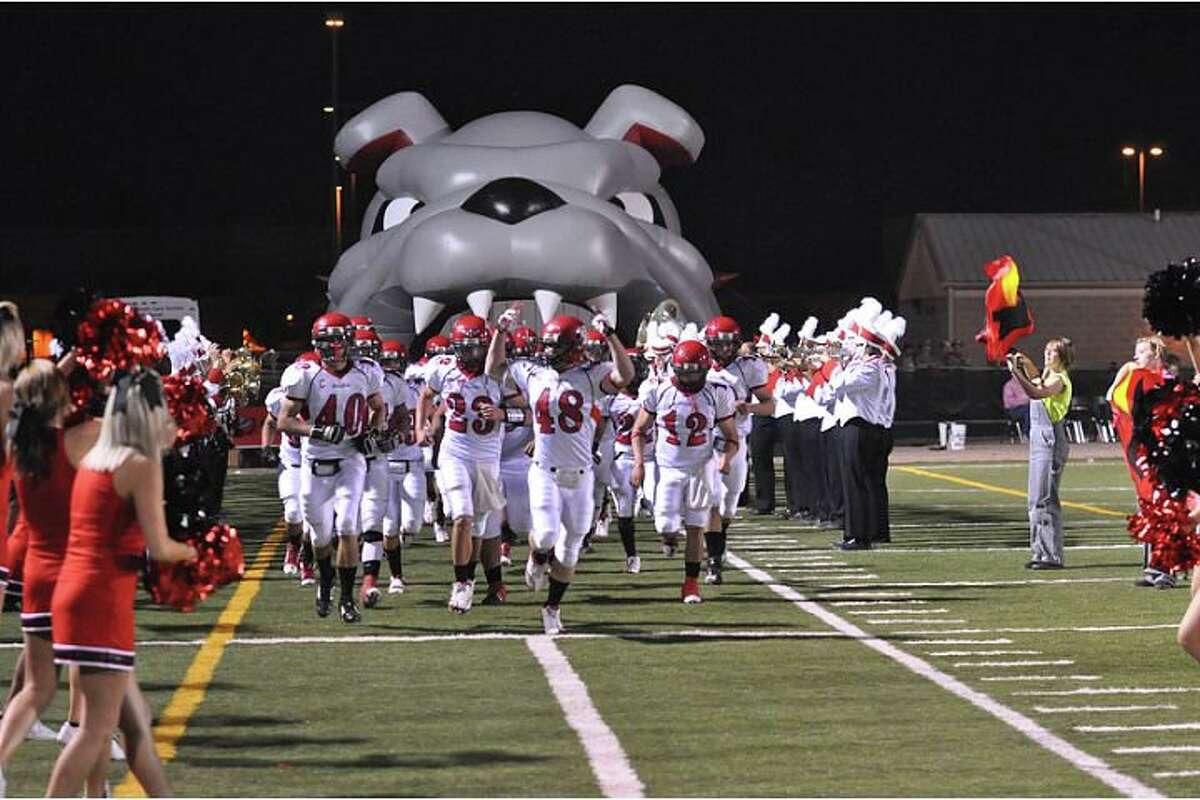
x=811 y=713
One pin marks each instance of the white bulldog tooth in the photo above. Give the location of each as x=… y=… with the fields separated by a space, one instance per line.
x=480 y=302
x=606 y=304
x=424 y=312
x=547 y=303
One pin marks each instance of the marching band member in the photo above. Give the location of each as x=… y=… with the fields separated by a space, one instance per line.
x=116 y=516
x=468 y=472
x=562 y=394
x=342 y=400
x=685 y=408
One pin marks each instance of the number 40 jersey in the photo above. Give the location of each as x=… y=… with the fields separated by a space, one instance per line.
x=565 y=412
x=331 y=398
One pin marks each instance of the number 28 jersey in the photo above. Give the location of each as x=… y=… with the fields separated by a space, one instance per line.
x=565 y=410
x=331 y=398
x=685 y=421
x=469 y=436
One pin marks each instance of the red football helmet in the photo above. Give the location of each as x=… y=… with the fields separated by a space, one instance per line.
x=690 y=361
x=522 y=342
x=470 y=340
x=393 y=355
x=437 y=346
x=595 y=345
x=562 y=341
x=723 y=336
x=362 y=323
x=365 y=343
x=331 y=335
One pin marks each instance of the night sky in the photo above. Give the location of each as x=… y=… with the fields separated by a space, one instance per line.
x=822 y=124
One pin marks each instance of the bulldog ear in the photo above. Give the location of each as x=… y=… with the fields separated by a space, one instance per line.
x=393 y=123
x=651 y=121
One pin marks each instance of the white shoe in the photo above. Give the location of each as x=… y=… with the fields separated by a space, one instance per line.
x=551 y=620
x=66 y=733
x=427 y=514
x=117 y=753
x=601 y=531
x=396 y=586
x=669 y=545
x=462 y=594
x=535 y=574
x=440 y=535
x=633 y=564
x=41 y=732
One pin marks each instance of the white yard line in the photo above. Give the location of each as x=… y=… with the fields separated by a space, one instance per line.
x=1175 y=748
x=901 y=611
x=1081 y=629
x=1054 y=662
x=1187 y=773
x=874 y=602
x=961 y=641
x=999 y=525
x=1027 y=582
x=1066 y=493
x=892 y=550
x=607 y=758
x=1040 y=678
x=820 y=596
x=915 y=621
x=1102 y=709
x=1166 y=726
x=948 y=653
x=1109 y=690
x=1085 y=762
x=848 y=576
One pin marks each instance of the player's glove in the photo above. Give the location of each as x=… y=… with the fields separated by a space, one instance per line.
x=601 y=323
x=268 y=455
x=333 y=433
x=387 y=441
x=509 y=319
x=367 y=444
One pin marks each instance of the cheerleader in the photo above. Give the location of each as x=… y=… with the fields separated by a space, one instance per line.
x=12 y=356
x=116 y=515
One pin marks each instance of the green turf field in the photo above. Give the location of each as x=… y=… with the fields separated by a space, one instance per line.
x=755 y=692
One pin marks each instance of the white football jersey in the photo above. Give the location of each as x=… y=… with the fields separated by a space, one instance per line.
x=743 y=375
x=565 y=410
x=468 y=436
x=330 y=398
x=685 y=421
x=289 y=443
x=624 y=411
x=399 y=392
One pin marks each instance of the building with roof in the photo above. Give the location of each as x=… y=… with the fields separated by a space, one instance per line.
x=1082 y=276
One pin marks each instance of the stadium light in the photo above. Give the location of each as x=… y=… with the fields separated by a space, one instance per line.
x=1130 y=151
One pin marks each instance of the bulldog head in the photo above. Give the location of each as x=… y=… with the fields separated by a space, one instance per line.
x=519 y=205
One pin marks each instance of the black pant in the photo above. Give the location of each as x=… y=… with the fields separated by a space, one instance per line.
x=806 y=476
x=835 y=493
x=764 y=435
x=865 y=450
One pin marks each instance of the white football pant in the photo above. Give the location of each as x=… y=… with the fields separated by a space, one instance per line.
x=324 y=498
x=561 y=504
x=683 y=498
x=514 y=477
x=406 y=498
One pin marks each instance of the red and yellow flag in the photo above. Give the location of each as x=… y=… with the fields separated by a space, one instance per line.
x=1006 y=316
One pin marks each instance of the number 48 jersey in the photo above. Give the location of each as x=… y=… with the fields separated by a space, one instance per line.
x=330 y=398
x=565 y=410
x=685 y=421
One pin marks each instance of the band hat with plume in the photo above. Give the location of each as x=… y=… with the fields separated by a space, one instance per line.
x=808 y=329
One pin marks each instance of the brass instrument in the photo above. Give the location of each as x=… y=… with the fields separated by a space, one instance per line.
x=243 y=377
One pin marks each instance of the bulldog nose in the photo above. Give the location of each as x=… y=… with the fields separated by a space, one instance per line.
x=512 y=200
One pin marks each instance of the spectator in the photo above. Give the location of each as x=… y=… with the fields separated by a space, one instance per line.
x=925 y=357
x=952 y=355
x=1016 y=404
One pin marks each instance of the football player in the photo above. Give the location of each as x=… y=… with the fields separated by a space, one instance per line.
x=595 y=350
x=685 y=408
x=406 y=467
x=516 y=453
x=746 y=375
x=437 y=351
x=623 y=409
x=562 y=393
x=344 y=404
x=468 y=471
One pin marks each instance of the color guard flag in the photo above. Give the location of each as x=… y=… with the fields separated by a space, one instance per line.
x=1134 y=384
x=1006 y=317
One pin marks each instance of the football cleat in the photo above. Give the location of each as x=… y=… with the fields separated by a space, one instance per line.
x=440 y=535
x=690 y=591
x=551 y=620
x=496 y=595
x=535 y=574
x=427 y=514
x=462 y=595
x=369 y=595
x=633 y=564
x=308 y=575
x=602 y=524
x=349 y=611
x=324 y=604
x=713 y=574
x=291 y=560
x=396 y=586
x=669 y=545
x=505 y=554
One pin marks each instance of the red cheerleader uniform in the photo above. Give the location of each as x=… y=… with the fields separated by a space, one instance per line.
x=6 y=470
x=46 y=520
x=92 y=607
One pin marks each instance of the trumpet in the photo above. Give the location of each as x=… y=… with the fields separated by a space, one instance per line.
x=243 y=377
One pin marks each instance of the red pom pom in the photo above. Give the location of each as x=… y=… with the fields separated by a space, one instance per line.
x=114 y=337
x=219 y=561
x=1165 y=524
x=187 y=401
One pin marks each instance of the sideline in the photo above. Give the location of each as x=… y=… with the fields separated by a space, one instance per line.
x=990 y=487
x=172 y=723
x=1085 y=762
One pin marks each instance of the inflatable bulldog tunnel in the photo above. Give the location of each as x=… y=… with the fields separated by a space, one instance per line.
x=519 y=205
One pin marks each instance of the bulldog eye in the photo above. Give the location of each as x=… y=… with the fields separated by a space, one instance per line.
x=395 y=211
x=640 y=206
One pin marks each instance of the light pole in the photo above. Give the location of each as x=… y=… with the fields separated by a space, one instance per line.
x=1129 y=151
x=334 y=22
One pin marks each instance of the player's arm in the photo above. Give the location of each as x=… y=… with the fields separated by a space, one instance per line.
x=622 y=372
x=378 y=420
x=497 y=359
x=269 y=429
x=423 y=411
x=730 y=433
x=637 y=441
x=764 y=405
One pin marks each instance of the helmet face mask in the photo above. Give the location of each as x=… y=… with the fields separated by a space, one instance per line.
x=723 y=336
x=392 y=356
x=365 y=346
x=331 y=336
x=691 y=362
x=562 y=342
x=470 y=343
x=690 y=377
x=724 y=351
x=470 y=355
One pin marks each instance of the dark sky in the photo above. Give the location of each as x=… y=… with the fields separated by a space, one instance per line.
x=822 y=123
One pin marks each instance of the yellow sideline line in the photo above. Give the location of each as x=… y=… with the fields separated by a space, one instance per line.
x=172 y=725
x=989 y=487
